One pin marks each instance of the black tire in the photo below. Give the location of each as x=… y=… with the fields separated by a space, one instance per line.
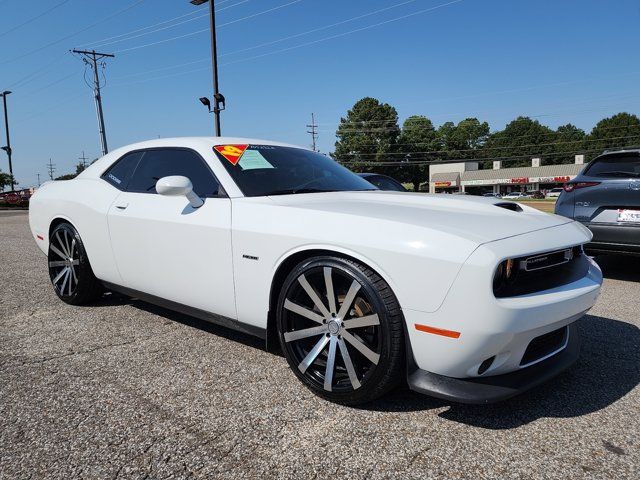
x=69 y=269
x=310 y=337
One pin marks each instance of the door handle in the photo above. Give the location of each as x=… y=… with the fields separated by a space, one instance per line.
x=122 y=206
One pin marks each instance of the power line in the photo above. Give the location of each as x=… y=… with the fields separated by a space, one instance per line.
x=269 y=43
x=129 y=36
x=32 y=19
x=314 y=134
x=397 y=163
x=495 y=148
x=71 y=35
x=325 y=27
x=207 y=29
x=338 y=35
x=269 y=53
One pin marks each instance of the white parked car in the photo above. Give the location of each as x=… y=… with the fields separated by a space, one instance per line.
x=515 y=196
x=554 y=193
x=475 y=299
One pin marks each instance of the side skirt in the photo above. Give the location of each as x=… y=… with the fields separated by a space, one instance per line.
x=192 y=312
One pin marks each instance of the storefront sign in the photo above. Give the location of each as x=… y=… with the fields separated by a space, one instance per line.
x=518 y=180
x=445 y=184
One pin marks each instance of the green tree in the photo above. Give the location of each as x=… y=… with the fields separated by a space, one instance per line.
x=80 y=167
x=620 y=130
x=418 y=141
x=463 y=139
x=68 y=176
x=569 y=141
x=521 y=137
x=5 y=181
x=368 y=133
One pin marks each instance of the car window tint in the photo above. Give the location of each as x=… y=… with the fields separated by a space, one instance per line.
x=384 y=183
x=120 y=173
x=159 y=163
x=615 y=166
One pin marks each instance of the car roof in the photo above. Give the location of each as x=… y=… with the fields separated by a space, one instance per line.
x=635 y=150
x=191 y=141
x=104 y=162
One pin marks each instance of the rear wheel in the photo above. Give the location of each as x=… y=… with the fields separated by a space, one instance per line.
x=69 y=268
x=340 y=327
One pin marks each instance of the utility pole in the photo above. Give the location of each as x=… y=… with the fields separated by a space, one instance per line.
x=38 y=179
x=314 y=134
x=52 y=168
x=217 y=97
x=83 y=160
x=7 y=148
x=91 y=58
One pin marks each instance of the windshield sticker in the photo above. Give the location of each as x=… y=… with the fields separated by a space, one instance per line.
x=231 y=152
x=253 y=160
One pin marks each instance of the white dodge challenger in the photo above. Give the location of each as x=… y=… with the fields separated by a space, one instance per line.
x=465 y=298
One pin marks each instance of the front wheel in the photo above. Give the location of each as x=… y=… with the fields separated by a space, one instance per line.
x=69 y=268
x=340 y=328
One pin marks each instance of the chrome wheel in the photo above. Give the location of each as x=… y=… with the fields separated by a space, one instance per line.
x=331 y=330
x=64 y=261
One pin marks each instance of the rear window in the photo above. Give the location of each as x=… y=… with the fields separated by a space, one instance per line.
x=615 y=167
x=120 y=173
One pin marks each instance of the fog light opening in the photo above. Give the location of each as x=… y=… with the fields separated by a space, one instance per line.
x=484 y=366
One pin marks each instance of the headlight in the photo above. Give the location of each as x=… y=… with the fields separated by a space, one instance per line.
x=505 y=274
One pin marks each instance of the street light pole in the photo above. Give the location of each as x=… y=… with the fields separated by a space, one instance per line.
x=7 y=148
x=217 y=98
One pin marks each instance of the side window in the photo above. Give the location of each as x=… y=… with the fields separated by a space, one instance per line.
x=159 y=163
x=120 y=173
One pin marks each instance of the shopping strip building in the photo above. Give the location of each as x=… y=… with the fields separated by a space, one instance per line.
x=465 y=177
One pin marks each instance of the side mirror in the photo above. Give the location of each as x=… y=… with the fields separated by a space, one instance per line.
x=177 y=185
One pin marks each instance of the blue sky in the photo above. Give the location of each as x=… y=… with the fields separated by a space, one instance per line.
x=559 y=61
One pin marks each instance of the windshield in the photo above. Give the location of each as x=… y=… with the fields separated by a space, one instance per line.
x=385 y=183
x=615 y=166
x=261 y=170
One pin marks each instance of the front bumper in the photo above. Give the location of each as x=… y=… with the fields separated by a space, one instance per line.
x=482 y=390
x=475 y=347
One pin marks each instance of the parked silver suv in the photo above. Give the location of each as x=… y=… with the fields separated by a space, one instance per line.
x=605 y=197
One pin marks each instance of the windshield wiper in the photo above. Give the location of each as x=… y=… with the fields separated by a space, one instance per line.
x=619 y=173
x=290 y=191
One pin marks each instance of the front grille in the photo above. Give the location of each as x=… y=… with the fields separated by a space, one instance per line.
x=540 y=272
x=544 y=345
x=546 y=260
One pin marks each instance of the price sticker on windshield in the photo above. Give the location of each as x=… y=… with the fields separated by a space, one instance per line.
x=231 y=153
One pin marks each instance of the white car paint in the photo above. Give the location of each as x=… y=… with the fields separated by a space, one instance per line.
x=438 y=253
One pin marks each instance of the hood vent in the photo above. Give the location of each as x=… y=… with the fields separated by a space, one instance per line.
x=514 y=207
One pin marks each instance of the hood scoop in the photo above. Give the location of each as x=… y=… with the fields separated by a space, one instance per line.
x=514 y=207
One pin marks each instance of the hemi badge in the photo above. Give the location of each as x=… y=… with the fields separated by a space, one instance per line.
x=437 y=331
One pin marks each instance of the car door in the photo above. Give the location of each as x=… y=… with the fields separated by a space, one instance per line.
x=165 y=247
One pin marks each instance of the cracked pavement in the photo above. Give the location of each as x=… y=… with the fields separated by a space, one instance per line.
x=123 y=389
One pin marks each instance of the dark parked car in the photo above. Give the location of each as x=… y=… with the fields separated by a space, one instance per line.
x=605 y=197
x=383 y=182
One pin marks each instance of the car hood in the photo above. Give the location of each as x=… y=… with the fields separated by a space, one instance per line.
x=477 y=219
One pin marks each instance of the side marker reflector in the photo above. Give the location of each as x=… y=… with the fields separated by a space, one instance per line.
x=437 y=331
x=40 y=237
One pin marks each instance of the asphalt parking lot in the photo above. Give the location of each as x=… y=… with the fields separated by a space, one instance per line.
x=123 y=389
